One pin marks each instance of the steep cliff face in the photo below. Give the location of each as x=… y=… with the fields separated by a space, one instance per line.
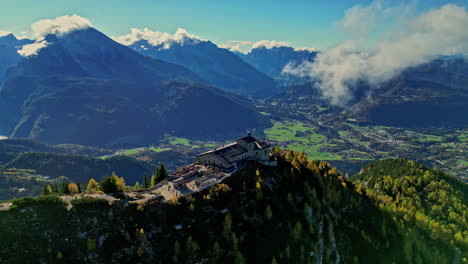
x=298 y=212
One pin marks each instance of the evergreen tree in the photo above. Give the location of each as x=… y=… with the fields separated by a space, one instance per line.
x=273 y=261
x=191 y=248
x=239 y=258
x=45 y=189
x=215 y=253
x=177 y=252
x=146 y=183
x=54 y=187
x=268 y=213
x=112 y=184
x=137 y=186
x=78 y=185
x=161 y=173
x=227 y=226
x=65 y=188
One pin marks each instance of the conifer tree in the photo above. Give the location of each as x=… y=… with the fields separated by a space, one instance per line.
x=215 y=253
x=268 y=213
x=161 y=173
x=177 y=252
x=78 y=185
x=112 y=184
x=65 y=189
x=146 y=183
x=273 y=261
x=45 y=189
x=54 y=187
x=137 y=186
x=227 y=225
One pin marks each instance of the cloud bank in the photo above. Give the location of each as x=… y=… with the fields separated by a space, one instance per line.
x=156 y=38
x=32 y=49
x=59 y=26
x=422 y=38
x=247 y=46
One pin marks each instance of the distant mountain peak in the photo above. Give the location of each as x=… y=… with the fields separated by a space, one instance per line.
x=10 y=40
x=60 y=26
x=158 y=39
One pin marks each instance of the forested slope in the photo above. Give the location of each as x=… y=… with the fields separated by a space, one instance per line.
x=299 y=212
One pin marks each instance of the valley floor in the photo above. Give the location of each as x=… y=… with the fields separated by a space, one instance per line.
x=340 y=140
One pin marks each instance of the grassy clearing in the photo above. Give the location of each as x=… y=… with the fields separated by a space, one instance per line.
x=321 y=109
x=177 y=141
x=343 y=133
x=313 y=151
x=264 y=113
x=428 y=138
x=288 y=131
x=157 y=150
x=463 y=137
x=463 y=162
x=132 y=151
x=300 y=137
x=180 y=141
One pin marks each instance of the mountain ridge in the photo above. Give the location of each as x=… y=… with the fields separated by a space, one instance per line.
x=218 y=66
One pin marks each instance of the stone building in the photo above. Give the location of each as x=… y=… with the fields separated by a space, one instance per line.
x=235 y=154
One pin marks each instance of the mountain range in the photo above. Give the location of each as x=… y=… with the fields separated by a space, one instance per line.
x=218 y=66
x=85 y=88
x=9 y=46
x=272 y=61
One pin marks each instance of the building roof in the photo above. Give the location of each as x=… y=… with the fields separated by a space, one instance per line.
x=247 y=139
x=228 y=152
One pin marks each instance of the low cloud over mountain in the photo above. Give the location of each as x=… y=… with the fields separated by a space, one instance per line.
x=247 y=46
x=59 y=27
x=156 y=38
x=423 y=38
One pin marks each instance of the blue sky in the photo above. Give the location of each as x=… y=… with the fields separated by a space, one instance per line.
x=303 y=23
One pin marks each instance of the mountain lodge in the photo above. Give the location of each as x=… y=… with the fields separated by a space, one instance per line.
x=233 y=155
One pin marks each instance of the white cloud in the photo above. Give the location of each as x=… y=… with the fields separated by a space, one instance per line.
x=59 y=26
x=306 y=49
x=4 y=33
x=32 y=49
x=247 y=46
x=420 y=40
x=156 y=38
x=24 y=35
x=270 y=44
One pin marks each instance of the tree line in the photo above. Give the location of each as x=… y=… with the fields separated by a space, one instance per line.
x=108 y=184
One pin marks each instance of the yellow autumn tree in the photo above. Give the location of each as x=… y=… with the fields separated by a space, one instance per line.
x=92 y=186
x=73 y=188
